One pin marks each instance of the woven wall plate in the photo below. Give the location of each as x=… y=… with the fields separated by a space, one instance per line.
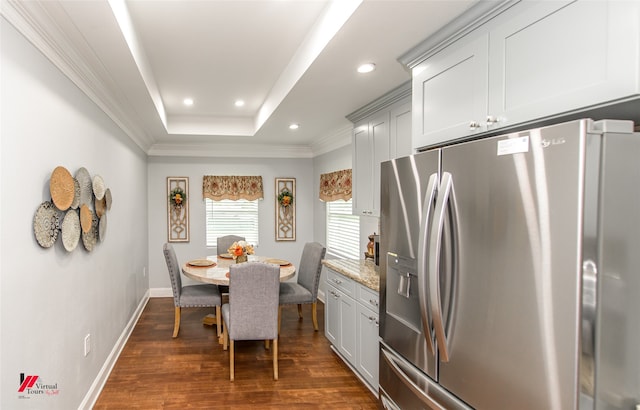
x=90 y=238
x=85 y=218
x=102 y=227
x=76 y=196
x=46 y=224
x=98 y=187
x=70 y=230
x=107 y=198
x=62 y=188
x=86 y=187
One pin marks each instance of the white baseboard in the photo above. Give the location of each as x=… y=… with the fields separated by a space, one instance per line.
x=98 y=384
x=160 y=293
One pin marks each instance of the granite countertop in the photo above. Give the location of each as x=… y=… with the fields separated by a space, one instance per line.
x=362 y=271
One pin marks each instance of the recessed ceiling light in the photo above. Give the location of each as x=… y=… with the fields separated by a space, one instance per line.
x=188 y=101
x=239 y=103
x=366 y=68
x=294 y=126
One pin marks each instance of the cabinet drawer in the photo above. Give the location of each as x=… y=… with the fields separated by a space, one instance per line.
x=341 y=282
x=368 y=297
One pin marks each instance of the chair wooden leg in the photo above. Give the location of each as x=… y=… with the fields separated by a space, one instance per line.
x=299 y=311
x=218 y=321
x=231 y=360
x=279 y=317
x=314 y=315
x=176 y=322
x=266 y=344
x=275 y=359
x=225 y=338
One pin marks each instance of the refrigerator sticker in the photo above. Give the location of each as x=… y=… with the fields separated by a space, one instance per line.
x=513 y=145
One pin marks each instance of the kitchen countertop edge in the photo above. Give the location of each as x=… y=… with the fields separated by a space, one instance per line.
x=362 y=271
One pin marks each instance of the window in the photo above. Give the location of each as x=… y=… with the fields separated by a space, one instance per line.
x=227 y=217
x=343 y=230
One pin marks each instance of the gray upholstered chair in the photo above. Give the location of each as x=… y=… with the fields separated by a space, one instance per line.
x=222 y=246
x=224 y=242
x=252 y=311
x=191 y=295
x=305 y=290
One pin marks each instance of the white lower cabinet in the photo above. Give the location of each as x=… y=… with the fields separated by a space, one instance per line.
x=351 y=325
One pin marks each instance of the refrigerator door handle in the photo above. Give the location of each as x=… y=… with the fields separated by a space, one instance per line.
x=423 y=282
x=445 y=194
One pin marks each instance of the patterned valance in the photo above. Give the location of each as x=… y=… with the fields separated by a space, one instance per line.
x=335 y=185
x=233 y=187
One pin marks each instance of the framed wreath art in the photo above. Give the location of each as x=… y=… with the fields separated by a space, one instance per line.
x=285 y=209
x=177 y=209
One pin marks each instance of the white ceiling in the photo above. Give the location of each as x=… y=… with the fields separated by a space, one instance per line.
x=292 y=61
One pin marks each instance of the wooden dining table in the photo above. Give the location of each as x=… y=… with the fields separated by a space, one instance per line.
x=215 y=270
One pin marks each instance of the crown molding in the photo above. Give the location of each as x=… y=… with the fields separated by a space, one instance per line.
x=339 y=138
x=474 y=17
x=229 y=151
x=33 y=19
x=385 y=101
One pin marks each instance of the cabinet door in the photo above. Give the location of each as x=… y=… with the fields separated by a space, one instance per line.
x=370 y=148
x=379 y=132
x=347 y=341
x=548 y=58
x=367 y=358
x=362 y=170
x=400 y=131
x=450 y=93
x=332 y=315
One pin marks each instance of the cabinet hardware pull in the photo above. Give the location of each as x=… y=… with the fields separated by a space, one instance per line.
x=474 y=125
x=373 y=302
x=338 y=281
x=492 y=120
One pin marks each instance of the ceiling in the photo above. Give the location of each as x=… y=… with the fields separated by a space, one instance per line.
x=291 y=61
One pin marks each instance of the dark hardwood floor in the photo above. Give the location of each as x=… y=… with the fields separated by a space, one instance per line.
x=156 y=371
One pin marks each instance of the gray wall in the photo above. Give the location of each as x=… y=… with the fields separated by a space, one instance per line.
x=50 y=298
x=160 y=168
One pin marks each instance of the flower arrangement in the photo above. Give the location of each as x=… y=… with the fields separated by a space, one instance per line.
x=285 y=198
x=177 y=197
x=240 y=249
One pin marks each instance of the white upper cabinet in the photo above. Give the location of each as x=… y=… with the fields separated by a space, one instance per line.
x=400 y=131
x=548 y=58
x=534 y=60
x=382 y=131
x=450 y=94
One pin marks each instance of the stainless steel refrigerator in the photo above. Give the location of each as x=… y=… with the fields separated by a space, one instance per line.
x=510 y=272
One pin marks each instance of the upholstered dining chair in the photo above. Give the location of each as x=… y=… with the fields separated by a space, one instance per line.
x=305 y=290
x=222 y=246
x=190 y=295
x=224 y=242
x=252 y=311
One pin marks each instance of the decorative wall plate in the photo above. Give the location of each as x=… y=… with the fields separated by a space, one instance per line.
x=102 y=227
x=70 y=230
x=85 y=218
x=62 y=188
x=100 y=206
x=86 y=187
x=107 y=198
x=90 y=238
x=76 y=194
x=98 y=187
x=46 y=224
